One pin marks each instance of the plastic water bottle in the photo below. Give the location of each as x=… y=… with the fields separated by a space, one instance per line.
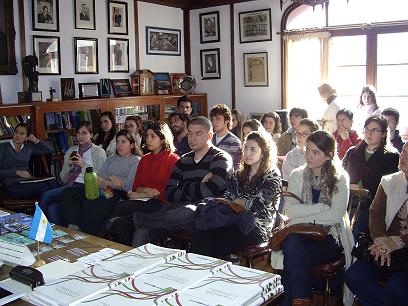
x=91 y=184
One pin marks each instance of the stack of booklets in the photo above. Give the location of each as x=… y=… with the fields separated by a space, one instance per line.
x=232 y=286
x=152 y=275
x=110 y=273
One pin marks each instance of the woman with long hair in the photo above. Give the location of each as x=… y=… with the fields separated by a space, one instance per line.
x=76 y=159
x=272 y=124
x=252 y=187
x=249 y=126
x=115 y=178
x=150 y=181
x=369 y=161
x=322 y=185
x=367 y=106
x=236 y=122
x=105 y=136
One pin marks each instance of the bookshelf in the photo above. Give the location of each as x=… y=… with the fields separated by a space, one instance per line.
x=11 y=115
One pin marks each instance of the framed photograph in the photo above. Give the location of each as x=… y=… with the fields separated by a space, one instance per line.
x=86 y=55
x=118 y=57
x=89 y=91
x=256 y=69
x=45 y=15
x=210 y=64
x=162 y=41
x=209 y=27
x=47 y=49
x=255 y=26
x=175 y=84
x=117 y=17
x=162 y=83
x=8 y=63
x=121 y=87
x=67 y=89
x=84 y=14
x=105 y=88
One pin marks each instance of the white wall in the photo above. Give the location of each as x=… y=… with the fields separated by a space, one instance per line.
x=12 y=84
x=248 y=99
x=163 y=17
x=219 y=90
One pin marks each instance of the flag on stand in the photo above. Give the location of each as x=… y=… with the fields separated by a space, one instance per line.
x=40 y=227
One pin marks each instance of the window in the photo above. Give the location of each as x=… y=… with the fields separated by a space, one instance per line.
x=366 y=44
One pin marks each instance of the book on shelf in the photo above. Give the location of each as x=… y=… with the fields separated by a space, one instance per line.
x=232 y=286
x=70 y=119
x=9 y=123
x=61 y=141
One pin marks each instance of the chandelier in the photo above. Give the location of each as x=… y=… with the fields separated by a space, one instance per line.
x=305 y=2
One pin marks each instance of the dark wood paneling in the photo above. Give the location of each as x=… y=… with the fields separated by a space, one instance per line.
x=137 y=47
x=187 y=49
x=232 y=26
x=194 y=4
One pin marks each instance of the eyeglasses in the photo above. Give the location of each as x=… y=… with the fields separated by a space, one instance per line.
x=373 y=130
x=302 y=134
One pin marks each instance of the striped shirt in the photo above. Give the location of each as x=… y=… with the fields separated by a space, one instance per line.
x=230 y=144
x=185 y=186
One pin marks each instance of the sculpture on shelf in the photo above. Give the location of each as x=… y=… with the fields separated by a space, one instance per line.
x=30 y=63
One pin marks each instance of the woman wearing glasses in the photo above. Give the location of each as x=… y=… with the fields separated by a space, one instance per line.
x=296 y=157
x=367 y=162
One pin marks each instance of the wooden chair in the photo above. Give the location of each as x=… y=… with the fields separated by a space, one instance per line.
x=39 y=167
x=330 y=270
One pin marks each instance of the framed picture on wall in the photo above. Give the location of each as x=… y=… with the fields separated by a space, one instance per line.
x=45 y=15
x=86 y=55
x=162 y=41
x=209 y=27
x=118 y=55
x=117 y=17
x=84 y=14
x=47 y=49
x=210 y=64
x=256 y=69
x=121 y=87
x=255 y=26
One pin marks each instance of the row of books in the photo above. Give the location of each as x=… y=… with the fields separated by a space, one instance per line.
x=61 y=141
x=9 y=123
x=153 y=275
x=70 y=119
x=150 y=112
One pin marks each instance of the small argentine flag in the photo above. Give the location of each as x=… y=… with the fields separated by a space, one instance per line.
x=40 y=227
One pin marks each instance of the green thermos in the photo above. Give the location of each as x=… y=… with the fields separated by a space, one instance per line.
x=91 y=184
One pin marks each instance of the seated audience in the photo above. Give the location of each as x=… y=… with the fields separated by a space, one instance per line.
x=392 y=116
x=76 y=159
x=116 y=175
x=184 y=105
x=150 y=182
x=105 y=135
x=296 y=157
x=323 y=186
x=197 y=175
x=252 y=187
x=367 y=162
x=14 y=164
x=345 y=136
x=287 y=141
x=178 y=124
x=221 y=120
x=366 y=107
x=329 y=95
x=236 y=122
x=272 y=124
x=389 y=231
x=134 y=125
x=250 y=126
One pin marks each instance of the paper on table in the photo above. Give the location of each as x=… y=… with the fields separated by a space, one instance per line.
x=60 y=268
x=3 y=213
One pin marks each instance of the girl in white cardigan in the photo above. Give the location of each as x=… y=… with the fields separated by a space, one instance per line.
x=322 y=184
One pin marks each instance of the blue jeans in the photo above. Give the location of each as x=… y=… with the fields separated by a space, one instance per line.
x=49 y=204
x=300 y=255
x=30 y=190
x=362 y=279
x=153 y=226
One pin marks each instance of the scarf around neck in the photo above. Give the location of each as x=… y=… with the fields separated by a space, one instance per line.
x=319 y=183
x=76 y=169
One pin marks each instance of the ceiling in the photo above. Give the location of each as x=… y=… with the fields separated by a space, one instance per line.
x=193 y=4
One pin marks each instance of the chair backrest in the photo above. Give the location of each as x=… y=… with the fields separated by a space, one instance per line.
x=358 y=196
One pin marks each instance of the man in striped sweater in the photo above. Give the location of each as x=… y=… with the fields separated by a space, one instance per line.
x=198 y=174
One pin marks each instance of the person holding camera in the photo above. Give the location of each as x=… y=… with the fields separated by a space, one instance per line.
x=76 y=159
x=388 y=222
